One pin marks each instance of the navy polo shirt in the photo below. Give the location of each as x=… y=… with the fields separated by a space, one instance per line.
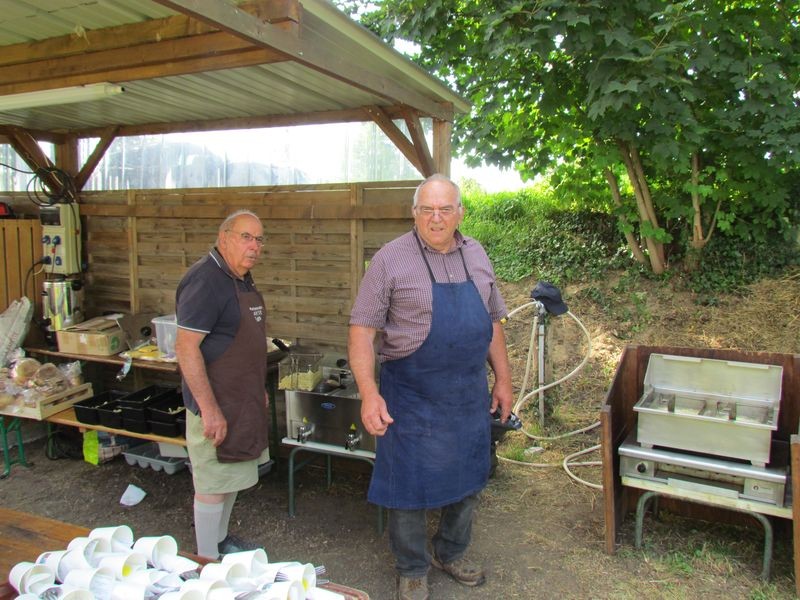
x=206 y=302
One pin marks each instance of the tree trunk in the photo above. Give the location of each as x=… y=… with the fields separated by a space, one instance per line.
x=633 y=243
x=644 y=204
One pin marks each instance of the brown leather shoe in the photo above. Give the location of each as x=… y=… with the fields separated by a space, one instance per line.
x=462 y=571
x=412 y=589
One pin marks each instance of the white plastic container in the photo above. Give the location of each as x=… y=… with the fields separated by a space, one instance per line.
x=166 y=330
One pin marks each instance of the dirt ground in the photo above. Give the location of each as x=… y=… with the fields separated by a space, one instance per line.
x=539 y=532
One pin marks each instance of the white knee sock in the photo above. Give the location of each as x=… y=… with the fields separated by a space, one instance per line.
x=207 y=519
x=230 y=498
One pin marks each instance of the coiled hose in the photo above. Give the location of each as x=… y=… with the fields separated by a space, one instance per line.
x=523 y=398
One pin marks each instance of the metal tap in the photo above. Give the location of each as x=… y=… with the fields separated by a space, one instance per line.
x=353 y=440
x=304 y=431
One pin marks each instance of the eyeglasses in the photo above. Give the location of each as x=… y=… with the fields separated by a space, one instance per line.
x=247 y=238
x=429 y=211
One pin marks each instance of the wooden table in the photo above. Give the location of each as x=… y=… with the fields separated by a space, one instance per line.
x=25 y=536
x=67 y=417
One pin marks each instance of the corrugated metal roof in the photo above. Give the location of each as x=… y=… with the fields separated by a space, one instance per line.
x=267 y=89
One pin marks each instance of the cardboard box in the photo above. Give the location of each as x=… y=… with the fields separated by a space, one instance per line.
x=100 y=337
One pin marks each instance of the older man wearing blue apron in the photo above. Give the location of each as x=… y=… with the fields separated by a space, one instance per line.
x=222 y=351
x=431 y=294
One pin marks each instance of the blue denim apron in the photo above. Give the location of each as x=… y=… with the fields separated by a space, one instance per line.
x=436 y=451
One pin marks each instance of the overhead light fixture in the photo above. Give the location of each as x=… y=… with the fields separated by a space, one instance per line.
x=67 y=95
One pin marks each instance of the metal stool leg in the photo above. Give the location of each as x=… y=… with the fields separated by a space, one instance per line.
x=15 y=425
x=640 y=509
x=767 y=561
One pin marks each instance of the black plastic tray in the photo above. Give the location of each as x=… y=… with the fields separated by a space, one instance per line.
x=135 y=404
x=136 y=425
x=86 y=411
x=176 y=429
x=164 y=410
x=110 y=414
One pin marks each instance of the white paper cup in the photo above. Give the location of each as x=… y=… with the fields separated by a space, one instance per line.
x=52 y=559
x=156 y=548
x=120 y=537
x=38 y=579
x=17 y=573
x=123 y=564
x=284 y=590
x=318 y=593
x=272 y=570
x=305 y=574
x=230 y=573
x=225 y=593
x=66 y=592
x=203 y=586
x=98 y=581
x=178 y=564
x=255 y=561
x=91 y=548
x=183 y=595
x=125 y=590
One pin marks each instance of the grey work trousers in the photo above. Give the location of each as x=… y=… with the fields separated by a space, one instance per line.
x=408 y=536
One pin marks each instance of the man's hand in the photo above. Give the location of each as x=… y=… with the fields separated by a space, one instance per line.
x=215 y=427
x=374 y=415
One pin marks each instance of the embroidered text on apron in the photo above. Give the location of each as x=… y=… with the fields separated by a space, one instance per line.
x=238 y=380
x=437 y=450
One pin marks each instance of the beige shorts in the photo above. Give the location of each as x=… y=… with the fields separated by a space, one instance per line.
x=211 y=476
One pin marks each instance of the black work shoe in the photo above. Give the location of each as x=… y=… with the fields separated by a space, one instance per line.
x=462 y=571
x=412 y=589
x=232 y=544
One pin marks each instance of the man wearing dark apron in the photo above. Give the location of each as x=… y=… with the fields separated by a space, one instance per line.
x=221 y=348
x=431 y=294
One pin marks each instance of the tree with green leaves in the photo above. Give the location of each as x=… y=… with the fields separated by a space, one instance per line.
x=686 y=111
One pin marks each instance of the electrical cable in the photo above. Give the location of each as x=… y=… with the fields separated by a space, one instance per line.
x=49 y=186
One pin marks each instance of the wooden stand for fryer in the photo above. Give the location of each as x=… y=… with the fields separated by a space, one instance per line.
x=618 y=419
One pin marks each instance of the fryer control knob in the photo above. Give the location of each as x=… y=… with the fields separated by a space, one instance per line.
x=641 y=467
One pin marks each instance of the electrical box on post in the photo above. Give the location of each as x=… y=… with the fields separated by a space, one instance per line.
x=61 y=238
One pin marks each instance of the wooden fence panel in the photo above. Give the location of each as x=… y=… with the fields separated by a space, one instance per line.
x=139 y=243
x=20 y=248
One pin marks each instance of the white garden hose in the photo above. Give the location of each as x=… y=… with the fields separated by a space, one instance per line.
x=523 y=398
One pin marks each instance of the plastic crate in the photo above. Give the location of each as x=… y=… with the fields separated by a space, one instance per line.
x=166 y=332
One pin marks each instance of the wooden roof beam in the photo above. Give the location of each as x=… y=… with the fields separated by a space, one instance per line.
x=307 y=48
x=419 y=142
x=198 y=53
x=399 y=139
x=355 y=115
x=106 y=139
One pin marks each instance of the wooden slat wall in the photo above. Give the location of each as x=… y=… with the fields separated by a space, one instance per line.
x=20 y=248
x=139 y=243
